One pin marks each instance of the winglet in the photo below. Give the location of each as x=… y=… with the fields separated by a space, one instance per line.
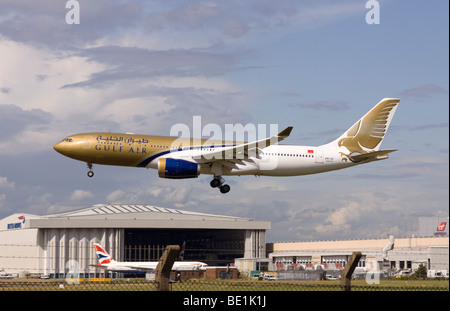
x=286 y=132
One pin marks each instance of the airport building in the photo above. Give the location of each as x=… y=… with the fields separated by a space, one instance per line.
x=388 y=254
x=57 y=244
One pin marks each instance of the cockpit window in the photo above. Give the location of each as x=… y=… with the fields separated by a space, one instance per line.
x=69 y=140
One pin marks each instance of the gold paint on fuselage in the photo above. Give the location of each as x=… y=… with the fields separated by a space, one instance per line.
x=126 y=149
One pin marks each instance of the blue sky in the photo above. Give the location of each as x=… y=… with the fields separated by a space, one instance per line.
x=143 y=66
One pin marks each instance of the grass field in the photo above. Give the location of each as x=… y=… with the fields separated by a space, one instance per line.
x=224 y=285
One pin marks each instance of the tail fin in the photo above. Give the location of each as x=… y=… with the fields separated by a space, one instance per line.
x=367 y=134
x=103 y=257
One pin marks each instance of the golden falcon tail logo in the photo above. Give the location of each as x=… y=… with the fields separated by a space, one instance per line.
x=366 y=135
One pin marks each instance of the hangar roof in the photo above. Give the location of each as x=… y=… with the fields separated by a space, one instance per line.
x=142 y=216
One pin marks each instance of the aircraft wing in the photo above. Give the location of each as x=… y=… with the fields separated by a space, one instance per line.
x=140 y=268
x=243 y=151
x=143 y=268
x=99 y=266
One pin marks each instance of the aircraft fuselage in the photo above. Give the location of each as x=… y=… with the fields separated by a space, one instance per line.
x=177 y=158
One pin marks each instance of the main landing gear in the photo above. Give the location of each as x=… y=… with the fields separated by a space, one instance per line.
x=218 y=181
x=90 y=173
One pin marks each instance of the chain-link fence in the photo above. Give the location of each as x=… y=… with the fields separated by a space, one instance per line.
x=211 y=285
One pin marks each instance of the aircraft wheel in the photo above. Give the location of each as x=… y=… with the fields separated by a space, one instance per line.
x=215 y=183
x=224 y=188
x=90 y=174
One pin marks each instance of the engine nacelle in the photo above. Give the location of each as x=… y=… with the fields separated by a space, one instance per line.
x=177 y=169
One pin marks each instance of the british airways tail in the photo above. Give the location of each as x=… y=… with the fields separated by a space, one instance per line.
x=103 y=257
x=362 y=141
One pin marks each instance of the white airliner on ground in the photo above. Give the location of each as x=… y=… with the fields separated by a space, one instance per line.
x=176 y=157
x=106 y=262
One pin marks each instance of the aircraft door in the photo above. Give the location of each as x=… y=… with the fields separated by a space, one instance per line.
x=318 y=155
x=87 y=142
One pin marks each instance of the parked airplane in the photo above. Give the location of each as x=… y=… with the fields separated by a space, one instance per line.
x=106 y=262
x=176 y=157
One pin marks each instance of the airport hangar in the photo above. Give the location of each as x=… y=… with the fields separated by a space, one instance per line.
x=390 y=254
x=52 y=244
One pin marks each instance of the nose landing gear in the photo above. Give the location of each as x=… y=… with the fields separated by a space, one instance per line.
x=90 y=173
x=218 y=182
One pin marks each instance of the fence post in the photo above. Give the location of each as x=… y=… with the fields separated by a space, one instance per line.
x=162 y=273
x=346 y=276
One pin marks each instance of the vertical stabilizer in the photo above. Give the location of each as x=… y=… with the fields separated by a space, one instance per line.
x=367 y=134
x=103 y=257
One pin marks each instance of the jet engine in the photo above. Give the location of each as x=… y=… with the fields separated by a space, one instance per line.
x=177 y=169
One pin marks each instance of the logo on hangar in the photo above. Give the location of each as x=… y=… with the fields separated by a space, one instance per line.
x=440 y=229
x=17 y=225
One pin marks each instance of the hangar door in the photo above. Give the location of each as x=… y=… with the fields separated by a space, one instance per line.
x=212 y=246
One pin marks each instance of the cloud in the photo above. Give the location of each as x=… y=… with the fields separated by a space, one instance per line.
x=111 y=88
x=333 y=105
x=338 y=221
x=423 y=91
x=430 y=126
x=81 y=195
x=5 y=184
x=159 y=195
x=140 y=66
x=14 y=120
x=172 y=25
x=44 y=23
x=125 y=63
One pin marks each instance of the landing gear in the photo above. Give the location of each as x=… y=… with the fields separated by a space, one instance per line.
x=90 y=173
x=224 y=188
x=218 y=181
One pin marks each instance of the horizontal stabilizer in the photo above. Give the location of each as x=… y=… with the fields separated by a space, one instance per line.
x=357 y=157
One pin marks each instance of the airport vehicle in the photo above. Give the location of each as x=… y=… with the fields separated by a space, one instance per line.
x=403 y=274
x=431 y=274
x=177 y=157
x=106 y=262
x=5 y=275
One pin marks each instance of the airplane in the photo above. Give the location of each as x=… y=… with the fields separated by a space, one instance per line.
x=106 y=262
x=177 y=157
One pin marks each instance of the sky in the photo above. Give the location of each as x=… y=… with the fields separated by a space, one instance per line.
x=144 y=66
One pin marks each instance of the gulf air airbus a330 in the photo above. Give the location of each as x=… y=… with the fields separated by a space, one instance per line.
x=176 y=157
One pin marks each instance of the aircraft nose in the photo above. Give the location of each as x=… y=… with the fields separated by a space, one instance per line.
x=58 y=147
